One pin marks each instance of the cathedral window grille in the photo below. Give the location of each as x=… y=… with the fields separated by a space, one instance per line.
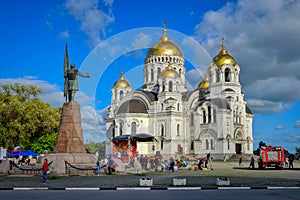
x=212 y=144
x=178 y=129
x=170 y=86
x=227 y=75
x=152 y=75
x=121 y=94
x=121 y=128
x=133 y=128
x=207 y=144
x=162 y=130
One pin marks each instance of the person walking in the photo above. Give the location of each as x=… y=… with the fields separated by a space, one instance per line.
x=99 y=167
x=45 y=169
x=252 y=163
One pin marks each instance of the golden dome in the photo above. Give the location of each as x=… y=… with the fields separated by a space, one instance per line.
x=169 y=72
x=204 y=84
x=122 y=82
x=223 y=57
x=164 y=46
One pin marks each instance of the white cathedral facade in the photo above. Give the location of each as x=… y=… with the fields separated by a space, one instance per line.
x=214 y=118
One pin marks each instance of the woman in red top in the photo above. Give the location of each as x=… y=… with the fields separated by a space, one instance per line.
x=45 y=169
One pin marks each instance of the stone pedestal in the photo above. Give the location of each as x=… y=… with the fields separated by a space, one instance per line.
x=70 y=137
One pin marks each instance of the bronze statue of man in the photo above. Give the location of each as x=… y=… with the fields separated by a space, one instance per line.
x=71 y=81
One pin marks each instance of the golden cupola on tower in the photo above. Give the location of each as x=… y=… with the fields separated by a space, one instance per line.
x=122 y=82
x=169 y=72
x=224 y=57
x=164 y=46
x=204 y=84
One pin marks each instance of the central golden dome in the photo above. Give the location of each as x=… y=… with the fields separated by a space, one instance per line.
x=223 y=57
x=164 y=46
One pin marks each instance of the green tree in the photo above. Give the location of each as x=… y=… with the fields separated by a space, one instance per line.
x=261 y=144
x=24 y=117
x=45 y=142
x=96 y=146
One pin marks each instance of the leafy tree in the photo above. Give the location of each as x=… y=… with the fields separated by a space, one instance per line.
x=261 y=144
x=23 y=117
x=45 y=142
x=96 y=146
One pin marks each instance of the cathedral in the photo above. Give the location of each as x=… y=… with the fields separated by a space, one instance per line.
x=213 y=119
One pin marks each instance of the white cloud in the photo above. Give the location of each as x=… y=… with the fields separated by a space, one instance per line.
x=267 y=107
x=274 y=89
x=279 y=127
x=297 y=124
x=50 y=92
x=94 y=21
x=93 y=123
x=141 y=40
x=64 y=35
x=263 y=37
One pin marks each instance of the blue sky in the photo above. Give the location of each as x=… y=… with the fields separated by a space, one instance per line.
x=107 y=36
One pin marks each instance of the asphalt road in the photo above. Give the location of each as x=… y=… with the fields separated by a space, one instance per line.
x=153 y=194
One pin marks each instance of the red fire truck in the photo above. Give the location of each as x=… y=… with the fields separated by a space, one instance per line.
x=272 y=156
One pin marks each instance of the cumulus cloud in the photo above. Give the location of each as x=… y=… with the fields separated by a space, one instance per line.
x=279 y=127
x=94 y=20
x=64 y=35
x=50 y=92
x=297 y=124
x=93 y=123
x=262 y=37
x=267 y=107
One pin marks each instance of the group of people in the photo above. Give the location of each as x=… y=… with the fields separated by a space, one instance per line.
x=205 y=162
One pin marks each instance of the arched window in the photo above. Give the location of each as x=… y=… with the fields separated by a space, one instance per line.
x=248 y=144
x=162 y=106
x=178 y=106
x=228 y=144
x=209 y=114
x=227 y=75
x=204 y=117
x=163 y=86
x=217 y=76
x=192 y=146
x=212 y=144
x=170 y=86
x=161 y=145
x=178 y=129
x=192 y=119
x=113 y=129
x=207 y=144
x=121 y=94
x=214 y=116
x=152 y=75
x=158 y=72
x=180 y=72
x=162 y=130
x=121 y=128
x=133 y=128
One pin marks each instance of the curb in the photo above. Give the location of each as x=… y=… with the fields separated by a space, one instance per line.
x=149 y=188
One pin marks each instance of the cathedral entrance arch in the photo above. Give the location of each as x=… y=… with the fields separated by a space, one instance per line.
x=238 y=148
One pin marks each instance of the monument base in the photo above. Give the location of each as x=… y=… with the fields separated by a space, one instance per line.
x=74 y=158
